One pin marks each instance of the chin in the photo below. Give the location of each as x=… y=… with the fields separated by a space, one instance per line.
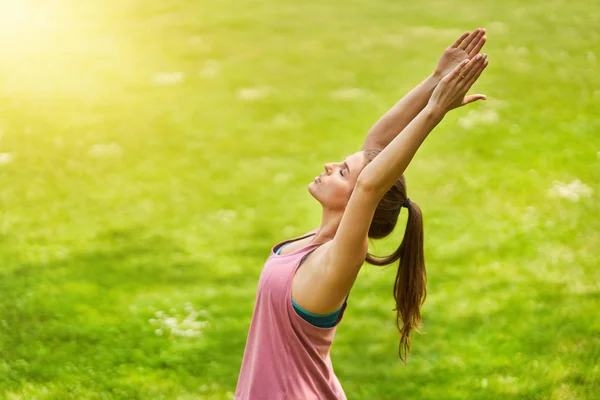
x=311 y=189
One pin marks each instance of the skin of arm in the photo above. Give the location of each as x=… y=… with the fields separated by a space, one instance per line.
x=400 y=115
x=390 y=164
x=344 y=255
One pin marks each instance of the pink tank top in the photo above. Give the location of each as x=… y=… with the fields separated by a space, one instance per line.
x=286 y=357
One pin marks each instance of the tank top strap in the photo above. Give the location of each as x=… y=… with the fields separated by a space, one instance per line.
x=277 y=248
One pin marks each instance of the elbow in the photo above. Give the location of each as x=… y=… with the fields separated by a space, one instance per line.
x=370 y=186
x=365 y=185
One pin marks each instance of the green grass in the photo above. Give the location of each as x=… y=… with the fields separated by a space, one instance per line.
x=182 y=211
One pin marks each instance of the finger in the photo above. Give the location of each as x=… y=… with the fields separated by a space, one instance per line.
x=475 y=41
x=469 y=39
x=472 y=68
x=478 y=46
x=460 y=39
x=477 y=73
x=463 y=73
x=472 y=98
x=455 y=72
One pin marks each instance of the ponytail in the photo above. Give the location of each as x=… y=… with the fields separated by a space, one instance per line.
x=411 y=278
x=410 y=284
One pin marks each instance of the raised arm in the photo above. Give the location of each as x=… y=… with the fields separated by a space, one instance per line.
x=345 y=254
x=390 y=164
x=399 y=116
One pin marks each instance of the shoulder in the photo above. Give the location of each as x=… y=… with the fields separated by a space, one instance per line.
x=317 y=287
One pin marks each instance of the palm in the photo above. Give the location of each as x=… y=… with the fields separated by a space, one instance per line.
x=466 y=46
x=450 y=92
x=450 y=59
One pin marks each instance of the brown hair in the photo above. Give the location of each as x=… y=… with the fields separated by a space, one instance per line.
x=409 y=289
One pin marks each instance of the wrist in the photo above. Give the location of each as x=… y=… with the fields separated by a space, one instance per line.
x=436 y=76
x=434 y=112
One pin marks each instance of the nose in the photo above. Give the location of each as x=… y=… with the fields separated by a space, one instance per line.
x=328 y=168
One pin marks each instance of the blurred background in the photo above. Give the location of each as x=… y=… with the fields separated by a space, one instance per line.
x=152 y=153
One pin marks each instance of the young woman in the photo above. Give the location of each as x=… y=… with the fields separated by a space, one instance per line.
x=297 y=309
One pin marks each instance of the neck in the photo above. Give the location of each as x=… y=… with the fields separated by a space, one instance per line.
x=330 y=221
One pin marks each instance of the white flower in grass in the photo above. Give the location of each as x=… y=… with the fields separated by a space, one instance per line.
x=170 y=322
x=211 y=68
x=255 y=93
x=507 y=380
x=176 y=331
x=286 y=121
x=488 y=117
x=514 y=129
x=497 y=27
x=168 y=78
x=198 y=324
x=397 y=41
x=188 y=327
x=224 y=216
x=199 y=43
x=188 y=308
x=517 y=51
x=105 y=150
x=474 y=118
x=428 y=30
x=190 y=318
x=349 y=94
x=289 y=230
x=6 y=158
x=282 y=178
x=572 y=191
x=591 y=57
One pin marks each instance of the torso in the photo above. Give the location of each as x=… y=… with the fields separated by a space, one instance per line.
x=304 y=282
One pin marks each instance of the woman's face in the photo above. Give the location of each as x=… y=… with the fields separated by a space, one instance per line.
x=334 y=186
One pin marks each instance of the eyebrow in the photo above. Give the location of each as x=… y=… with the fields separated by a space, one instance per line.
x=346 y=165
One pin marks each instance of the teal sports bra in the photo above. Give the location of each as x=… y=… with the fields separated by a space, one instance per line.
x=320 y=320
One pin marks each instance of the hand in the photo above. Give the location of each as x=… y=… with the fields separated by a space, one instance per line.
x=466 y=46
x=450 y=92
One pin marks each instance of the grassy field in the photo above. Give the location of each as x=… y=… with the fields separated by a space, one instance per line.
x=152 y=152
